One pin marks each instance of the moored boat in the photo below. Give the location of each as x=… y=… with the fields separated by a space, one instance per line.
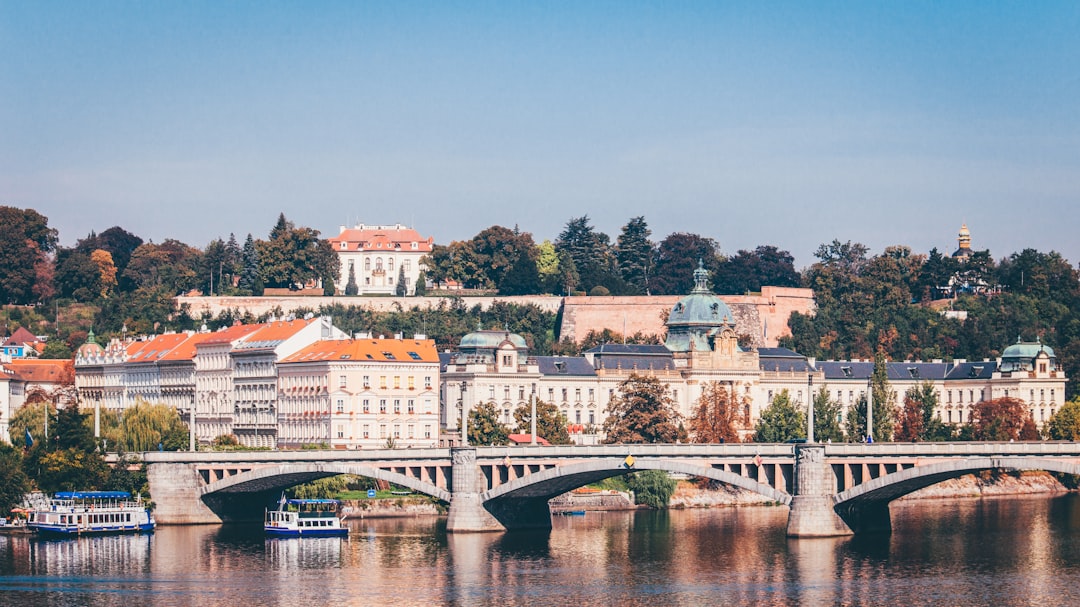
x=70 y=513
x=305 y=518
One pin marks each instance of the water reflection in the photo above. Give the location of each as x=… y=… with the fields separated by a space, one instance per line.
x=1007 y=551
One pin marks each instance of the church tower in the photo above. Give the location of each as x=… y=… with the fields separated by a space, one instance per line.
x=964 y=241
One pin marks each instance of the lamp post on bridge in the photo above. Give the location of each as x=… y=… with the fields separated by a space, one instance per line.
x=532 y=417
x=870 y=409
x=464 y=416
x=809 y=406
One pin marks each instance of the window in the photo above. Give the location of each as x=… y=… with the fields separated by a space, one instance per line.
x=564 y=391
x=414 y=355
x=397 y=430
x=397 y=382
x=382 y=430
x=367 y=263
x=592 y=395
x=506 y=393
x=410 y=428
x=521 y=393
x=427 y=431
x=592 y=418
x=367 y=406
x=340 y=405
x=390 y=264
x=367 y=432
x=367 y=381
x=382 y=405
x=382 y=382
x=412 y=382
x=551 y=394
x=577 y=416
x=411 y=408
x=378 y=264
x=491 y=392
x=405 y=264
x=397 y=406
x=427 y=382
x=577 y=394
x=341 y=381
x=427 y=406
x=340 y=431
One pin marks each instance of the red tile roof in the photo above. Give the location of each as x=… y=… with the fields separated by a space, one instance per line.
x=369 y=350
x=21 y=336
x=156 y=348
x=381 y=238
x=43 y=370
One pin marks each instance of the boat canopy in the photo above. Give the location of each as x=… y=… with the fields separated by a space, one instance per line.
x=91 y=495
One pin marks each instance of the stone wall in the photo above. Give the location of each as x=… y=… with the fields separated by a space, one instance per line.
x=266 y=305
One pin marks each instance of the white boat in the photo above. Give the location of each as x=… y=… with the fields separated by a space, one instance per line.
x=305 y=518
x=91 y=512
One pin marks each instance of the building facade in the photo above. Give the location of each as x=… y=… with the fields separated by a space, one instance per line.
x=378 y=257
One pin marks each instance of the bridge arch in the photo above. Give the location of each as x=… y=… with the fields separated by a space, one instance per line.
x=560 y=479
x=865 y=507
x=282 y=476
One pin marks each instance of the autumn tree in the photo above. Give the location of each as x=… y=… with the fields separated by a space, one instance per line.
x=641 y=411
x=106 y=271
x=551 y=423
x=719 y=414
x=999 y=419
x=485 y=427
x=780 y=421
x=25 y=243
x=13 y=480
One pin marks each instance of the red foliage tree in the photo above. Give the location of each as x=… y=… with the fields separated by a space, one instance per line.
x=1000 y=419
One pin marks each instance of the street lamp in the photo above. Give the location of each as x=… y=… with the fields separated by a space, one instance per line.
x=464 y=416
x=870 y=409
x=532 y=418
x=809 y=406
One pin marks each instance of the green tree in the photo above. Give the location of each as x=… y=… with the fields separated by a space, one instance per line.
x=827 y=418
x=1065 y=424
x=146 y=425
x=592 y=255
x=551 y=424
x=780 y=421
x=171 y=265
x=652 y=488
x=77 y=276
x=13 y=481
x=916 y=419
x=401 y=289
x=677 y=257
x=718 y=415
x=547 y=267
x=250 y=280
x=420 y=289
x=641 y=411
x=635 y=253
x=485 y=427
x=351 y=288
x=748 y=271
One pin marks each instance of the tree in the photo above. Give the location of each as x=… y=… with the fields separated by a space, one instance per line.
x=652 y=488
x=13 y=481
x=677 y=257
x=172 y=265
x=351 y=288
x=77 y=276
x=146 y=425
x=106 y=271
x=827 y=418
x=780 y=421
x=634 y=253
x=551 y=424
x=522 y=277
x=917 y=420
x=750 y=270
x=25 y=242
x=1065 y=424
x=591 y=252
x=641 y=411
x=485 y=427
x=999 y=419
x=119 y=243
x=718 y=415
x=295 y=256
x=547 y=267
x=250 y=280
x=420 y=289
x=401 y=289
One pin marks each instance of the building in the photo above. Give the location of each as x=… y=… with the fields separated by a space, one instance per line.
x=21 y=344
x=19 y=379
x=378 y=256
x=702 y=349
x=360 y=393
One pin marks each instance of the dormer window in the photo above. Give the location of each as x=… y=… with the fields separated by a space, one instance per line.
x=913 y=372
x=344 y=245
x=846 y=371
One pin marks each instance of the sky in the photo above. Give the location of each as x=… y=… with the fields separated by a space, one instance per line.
x=752 y=123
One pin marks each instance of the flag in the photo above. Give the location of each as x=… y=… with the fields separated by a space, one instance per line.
x=29 y=439
x=757 y=459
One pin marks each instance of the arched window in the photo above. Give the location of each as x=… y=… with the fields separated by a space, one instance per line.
x=367 y=263
x=378 y=264
x=390 y=264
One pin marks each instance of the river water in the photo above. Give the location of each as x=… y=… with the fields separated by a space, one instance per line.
x=999 y=551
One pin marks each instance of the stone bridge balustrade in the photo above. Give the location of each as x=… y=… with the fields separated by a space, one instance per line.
x=833 y=489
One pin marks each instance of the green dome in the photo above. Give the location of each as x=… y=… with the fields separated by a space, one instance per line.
x=490 y=340
x=696 y=317
x=1026 y=350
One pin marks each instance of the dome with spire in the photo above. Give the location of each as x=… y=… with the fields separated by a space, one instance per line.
x=698 y=317
x=91 y=348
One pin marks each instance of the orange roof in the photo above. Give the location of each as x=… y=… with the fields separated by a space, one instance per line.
x=229 y=334
x=381 y=238
x=271 y=334
x=43 y=370
x=156 y=348
x=187 y=350
x=21 y=336
x=369 y=350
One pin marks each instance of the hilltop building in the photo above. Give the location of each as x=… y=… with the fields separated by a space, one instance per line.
x=377 y=256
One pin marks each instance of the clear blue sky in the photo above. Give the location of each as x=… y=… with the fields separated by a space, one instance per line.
x=752 y=123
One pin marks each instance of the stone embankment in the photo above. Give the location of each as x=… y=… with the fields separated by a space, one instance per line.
x=392 y=508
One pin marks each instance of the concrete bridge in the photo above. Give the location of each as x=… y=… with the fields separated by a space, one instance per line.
x=831 y=489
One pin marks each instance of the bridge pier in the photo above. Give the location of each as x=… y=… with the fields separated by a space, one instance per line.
x=467 y=512
x=175 y=491
x=812 y=513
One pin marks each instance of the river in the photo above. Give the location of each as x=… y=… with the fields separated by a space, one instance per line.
x=991 y=551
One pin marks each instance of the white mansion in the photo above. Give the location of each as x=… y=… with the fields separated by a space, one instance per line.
x=378 y=256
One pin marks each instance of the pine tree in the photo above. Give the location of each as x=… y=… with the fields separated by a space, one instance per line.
x=401 y=289
x=249 y=275
x=421 y=284
x=634 y=253
x=351 y=287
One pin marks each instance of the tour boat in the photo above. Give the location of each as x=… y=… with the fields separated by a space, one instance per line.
x=70 y=513
x=305 y=518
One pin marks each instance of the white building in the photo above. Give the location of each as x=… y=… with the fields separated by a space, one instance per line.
x=378 y=256
x=360 y=393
